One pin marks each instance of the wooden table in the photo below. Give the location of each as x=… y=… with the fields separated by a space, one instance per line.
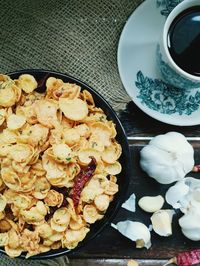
x=110 y=247
x=80 y=38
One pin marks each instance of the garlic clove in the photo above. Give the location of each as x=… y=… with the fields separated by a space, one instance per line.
x=162 y=222
x=129 y=204
x=132 y=263
x=151 y=204
x=135 y=231
x=190 y=224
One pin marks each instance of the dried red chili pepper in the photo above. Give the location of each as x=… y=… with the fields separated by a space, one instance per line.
x=188 y=258
x=196 y=168
x=81 y=179
x=42 y=82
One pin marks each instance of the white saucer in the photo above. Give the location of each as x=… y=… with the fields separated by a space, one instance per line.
x=139 y=73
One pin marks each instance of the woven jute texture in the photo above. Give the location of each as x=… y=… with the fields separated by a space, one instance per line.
x=77 y=37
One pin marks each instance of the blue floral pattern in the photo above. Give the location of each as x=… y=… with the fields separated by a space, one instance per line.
x=171 y=76
x=158 y=96
x=167 y=6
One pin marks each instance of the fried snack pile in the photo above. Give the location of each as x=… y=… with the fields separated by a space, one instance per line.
x=59 y=161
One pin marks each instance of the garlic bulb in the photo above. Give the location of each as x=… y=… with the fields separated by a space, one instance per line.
x=135 y=231
x=167 y=158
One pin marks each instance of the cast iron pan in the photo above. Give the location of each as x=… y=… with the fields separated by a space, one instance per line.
x=123 y=177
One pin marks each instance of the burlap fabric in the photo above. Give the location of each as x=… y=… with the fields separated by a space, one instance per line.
x=71 y=36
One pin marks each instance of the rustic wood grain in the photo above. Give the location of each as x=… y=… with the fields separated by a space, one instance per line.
x=137 y=123
x=114 y=262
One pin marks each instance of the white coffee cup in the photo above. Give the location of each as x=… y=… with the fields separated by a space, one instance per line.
x=172 y=74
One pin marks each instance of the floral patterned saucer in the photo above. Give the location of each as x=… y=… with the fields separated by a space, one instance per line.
x=139 y=72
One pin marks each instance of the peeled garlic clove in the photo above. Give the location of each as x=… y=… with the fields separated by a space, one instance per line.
x=162 y=222
x=151 y=204
x=129 y=204
x=190 y=224
x=135 y=231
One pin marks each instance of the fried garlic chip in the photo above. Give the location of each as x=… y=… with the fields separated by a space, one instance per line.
x=75 y=109
x=71 y=136
x=62 y=152
x=112 y=153
x=91 y=190
x=53 y=169
x=46 y=112
x=36 y=214
x=102 y=202
x=44 y=230
x=53 y=84
x=3 y=202
x=73 y=237
x=7 y=96
x=4 y=150
x=61 y=216
x=8 y=136
x=30 y=242
x=58 y=227
x=3 y=239
x=11 y=179
x=21 y=153
x=101 y=132
x=113 y=169
x=15 y=122
x=21 y=201
x=13 y=239
x=84 y=156
x=111 y=188
x=2 y=116
x=13 y=252
x=37 y=135
x=41 y=187
x=27 y=83
x=90 y=214
x=77 y=224
x=53 y=198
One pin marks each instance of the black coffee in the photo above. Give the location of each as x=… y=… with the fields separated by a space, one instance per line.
x=184 y=40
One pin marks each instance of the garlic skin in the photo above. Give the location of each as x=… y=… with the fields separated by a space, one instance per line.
x=184 y=194
x=167 y=158
x=129 y=204
x=190 y=224
x=151 y=204
x=162 y=222
x=135 y=231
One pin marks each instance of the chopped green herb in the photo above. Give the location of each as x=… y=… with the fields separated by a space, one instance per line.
x=101 y=118
x=68 y=158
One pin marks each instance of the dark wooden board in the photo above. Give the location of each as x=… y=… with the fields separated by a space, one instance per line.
x=111 y=244
x=137 y=123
